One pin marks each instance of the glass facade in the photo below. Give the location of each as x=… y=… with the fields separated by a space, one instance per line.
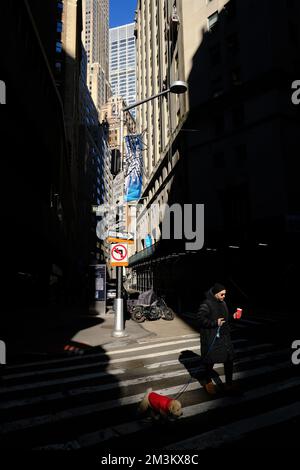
x=122 y=63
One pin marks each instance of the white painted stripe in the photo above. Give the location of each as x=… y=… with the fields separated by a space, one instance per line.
x=95 y=375
x=238 y=429
x=106 y=353
x=108 y=371
x=67 y=380
x=103 y=363
x=269 y=389
x=237 y=361
x=58 y=395
x=193 y=410
x=108 y=386
x=81 y=411
x=152 y=346
x=106 y=362
x=152 y=340
x=80 y=378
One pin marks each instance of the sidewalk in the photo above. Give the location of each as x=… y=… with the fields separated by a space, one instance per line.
x=101 y=335
x=81 y=334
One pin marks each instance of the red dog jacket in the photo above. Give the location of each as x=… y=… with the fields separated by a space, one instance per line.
x=159 y=402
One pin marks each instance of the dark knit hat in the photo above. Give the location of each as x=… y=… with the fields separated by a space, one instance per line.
x=217 y=288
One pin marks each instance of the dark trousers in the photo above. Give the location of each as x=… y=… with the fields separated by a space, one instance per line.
x=228 y=370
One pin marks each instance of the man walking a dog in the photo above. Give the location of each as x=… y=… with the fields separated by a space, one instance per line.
x=216 y=344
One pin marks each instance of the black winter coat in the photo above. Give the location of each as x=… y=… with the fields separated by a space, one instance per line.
x=209 y=312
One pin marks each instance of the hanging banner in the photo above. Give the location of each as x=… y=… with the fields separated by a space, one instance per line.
x=133 y=167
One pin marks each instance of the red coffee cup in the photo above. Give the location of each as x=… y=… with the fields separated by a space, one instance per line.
x=239 y=312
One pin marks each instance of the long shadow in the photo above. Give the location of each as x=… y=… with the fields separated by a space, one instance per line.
x=195 y=367
x=32 y=340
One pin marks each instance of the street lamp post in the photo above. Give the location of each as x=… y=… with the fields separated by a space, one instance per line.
x=178 y=87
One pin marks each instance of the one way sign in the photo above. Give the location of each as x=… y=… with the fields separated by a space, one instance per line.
x=118 y=254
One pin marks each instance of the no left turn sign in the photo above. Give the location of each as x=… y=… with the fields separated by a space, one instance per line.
x=118 y=254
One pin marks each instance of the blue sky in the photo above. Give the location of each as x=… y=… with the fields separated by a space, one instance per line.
x=121 y=12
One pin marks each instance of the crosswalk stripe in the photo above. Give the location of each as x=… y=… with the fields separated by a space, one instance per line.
x=139 y=425
x=152 y=340
x=125 y=383
x=100 y=354
x=174 y=362
x=236 y=430
x=95 y=375
x=80 y=411
x=58 y=395
x=96 y=355
x=37 y=373
x=105 y=364
x=68 y=380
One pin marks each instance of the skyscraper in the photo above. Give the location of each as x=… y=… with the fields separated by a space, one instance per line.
x=216 y=144
x=95 y=39
x=122 y=64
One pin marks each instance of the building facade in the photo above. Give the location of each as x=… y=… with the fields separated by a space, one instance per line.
x=216 y=145
x=95 y=38
x=122 y=63
x=45 y=157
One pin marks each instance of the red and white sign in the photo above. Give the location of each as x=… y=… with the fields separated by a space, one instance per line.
x=118 y=254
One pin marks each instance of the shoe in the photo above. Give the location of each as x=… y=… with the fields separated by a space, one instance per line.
x=210 y=388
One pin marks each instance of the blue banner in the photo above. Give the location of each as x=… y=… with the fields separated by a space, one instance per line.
x=133 y=167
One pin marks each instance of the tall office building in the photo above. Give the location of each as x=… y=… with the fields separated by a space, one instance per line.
x=95 y=38
x=215 y=145
x=122 y=63
x=45 y=37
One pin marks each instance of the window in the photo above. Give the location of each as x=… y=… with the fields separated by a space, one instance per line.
x=58 y=46
x=59 y=27
x=212 y=20
x=58 y=67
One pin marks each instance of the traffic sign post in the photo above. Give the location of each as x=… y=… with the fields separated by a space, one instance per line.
x=118 y=254
x=119 y=258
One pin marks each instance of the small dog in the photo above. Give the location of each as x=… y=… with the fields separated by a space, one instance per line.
x=160 y=406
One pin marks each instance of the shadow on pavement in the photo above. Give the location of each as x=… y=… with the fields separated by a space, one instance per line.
x=193 y=364
x=42 y=338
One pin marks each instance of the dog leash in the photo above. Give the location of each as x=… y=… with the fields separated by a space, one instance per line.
x=217 y=335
